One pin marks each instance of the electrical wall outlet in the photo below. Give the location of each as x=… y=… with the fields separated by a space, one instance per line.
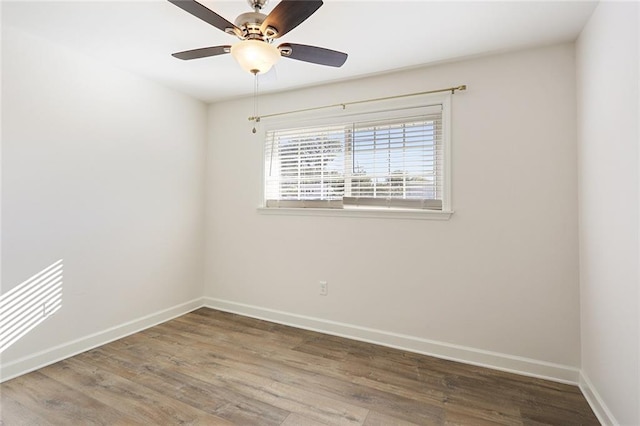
x=324 y=288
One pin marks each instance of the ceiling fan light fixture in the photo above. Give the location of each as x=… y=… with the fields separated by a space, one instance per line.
x=255 y=56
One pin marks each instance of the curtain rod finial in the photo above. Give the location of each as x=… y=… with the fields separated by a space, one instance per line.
x=454 y=89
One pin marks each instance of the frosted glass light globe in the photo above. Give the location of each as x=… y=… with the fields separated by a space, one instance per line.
x=255 y=56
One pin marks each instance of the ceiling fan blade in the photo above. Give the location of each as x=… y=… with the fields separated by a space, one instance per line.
x=313 y=54
x=202 y=52
x=204 y=13
x=288 y=14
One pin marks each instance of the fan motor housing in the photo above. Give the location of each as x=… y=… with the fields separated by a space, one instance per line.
x=250 y=24
x=250 y=18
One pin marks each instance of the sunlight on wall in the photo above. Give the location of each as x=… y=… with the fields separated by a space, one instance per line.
x=24 y=307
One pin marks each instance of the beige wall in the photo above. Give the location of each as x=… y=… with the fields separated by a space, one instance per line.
x=104 y=170
x=609 y=113
x=500 y=276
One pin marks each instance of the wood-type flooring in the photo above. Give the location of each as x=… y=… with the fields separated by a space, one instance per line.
x=214 y=368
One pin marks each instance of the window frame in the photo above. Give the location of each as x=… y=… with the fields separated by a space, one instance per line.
x=386 y=109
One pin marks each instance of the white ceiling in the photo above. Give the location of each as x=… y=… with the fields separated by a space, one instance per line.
x=379 y=36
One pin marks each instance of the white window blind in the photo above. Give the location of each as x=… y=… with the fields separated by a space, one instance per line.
x=378 y=160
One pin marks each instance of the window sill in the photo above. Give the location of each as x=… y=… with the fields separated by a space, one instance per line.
x=382 y=213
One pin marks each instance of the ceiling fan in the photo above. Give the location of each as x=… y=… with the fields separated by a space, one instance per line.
x=257 y=31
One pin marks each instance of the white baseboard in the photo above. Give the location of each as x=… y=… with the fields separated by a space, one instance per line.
x=598 y=406
x=42 y=359
x=494 y=360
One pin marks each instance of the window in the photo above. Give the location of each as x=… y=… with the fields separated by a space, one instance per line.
x=389 y=159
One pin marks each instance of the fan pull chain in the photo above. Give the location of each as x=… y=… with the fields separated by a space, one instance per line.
x=255 y=101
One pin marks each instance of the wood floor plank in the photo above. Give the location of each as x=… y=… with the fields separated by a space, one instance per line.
x=465 y=416
x=377 y=419
x=141 y=403
x=60 y=404
x=251 y=386
x=14 y=413
x=296 y=419
x=211 y=367
x=184 y=385
x=328 y=384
